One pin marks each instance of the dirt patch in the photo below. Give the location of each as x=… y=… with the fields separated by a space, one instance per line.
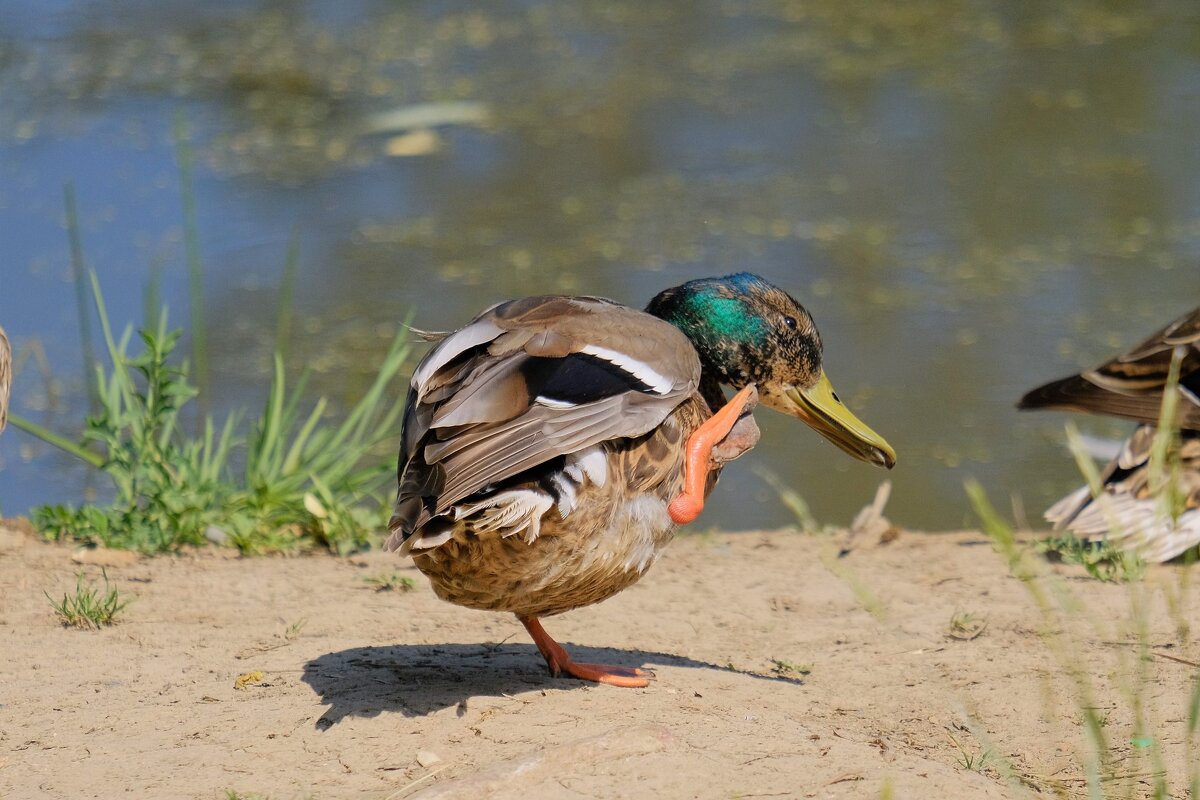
x=782 y=671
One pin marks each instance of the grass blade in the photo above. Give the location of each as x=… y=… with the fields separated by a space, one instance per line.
x=52 y=438
x=191 y=246
x=81 y=299
x=297 y=449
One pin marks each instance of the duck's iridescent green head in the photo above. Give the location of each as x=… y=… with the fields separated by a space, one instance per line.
x=749 y=331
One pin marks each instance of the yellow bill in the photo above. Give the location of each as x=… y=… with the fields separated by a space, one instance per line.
x=820 y=407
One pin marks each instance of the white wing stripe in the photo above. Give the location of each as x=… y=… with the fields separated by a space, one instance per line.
x=657 y=382
x=550 y=402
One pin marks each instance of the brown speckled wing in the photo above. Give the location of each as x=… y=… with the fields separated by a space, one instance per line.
x=1131 y=385
x=475 y=416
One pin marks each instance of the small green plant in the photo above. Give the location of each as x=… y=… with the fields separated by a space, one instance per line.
x=303 y=481
x=293 y=630
x=89 y=607
x=966 y=626
x=390 y=582
x=1101 y=560
x=787 y=669
x=973 y=762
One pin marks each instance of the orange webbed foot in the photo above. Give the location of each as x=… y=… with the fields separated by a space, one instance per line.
x=561 y=664
x=698 y=455
x=624 y=677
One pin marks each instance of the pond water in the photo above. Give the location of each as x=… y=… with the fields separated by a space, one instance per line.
x=970 y=197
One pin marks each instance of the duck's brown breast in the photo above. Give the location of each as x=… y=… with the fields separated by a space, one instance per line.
x=614 y=531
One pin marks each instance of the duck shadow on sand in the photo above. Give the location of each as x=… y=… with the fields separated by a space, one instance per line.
x=417 y=680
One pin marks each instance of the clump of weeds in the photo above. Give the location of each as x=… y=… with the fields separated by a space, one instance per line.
x=390 y=582
x=89 y=607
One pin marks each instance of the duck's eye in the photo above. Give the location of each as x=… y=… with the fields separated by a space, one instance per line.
x=790 y=322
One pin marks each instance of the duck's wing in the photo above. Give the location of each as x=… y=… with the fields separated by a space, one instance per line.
x=1129 y=512
x=1131 y=385
x=527 y=382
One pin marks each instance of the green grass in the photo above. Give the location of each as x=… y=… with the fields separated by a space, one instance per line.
x=1101 y=560
x=191 y=246
x=390 y=582
x=81 y=295
x=969 y=760
x=90 y=607
x=792 y=501
x=1114 y=764
x=788 y=669
x=1108 y=759
x=1065 y=623
x=1052 y=601
x=966 y=626
x=288 y=481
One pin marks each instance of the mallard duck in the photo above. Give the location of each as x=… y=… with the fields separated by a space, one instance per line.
x=5 y=377
x=551 y=446
x=1131 y=386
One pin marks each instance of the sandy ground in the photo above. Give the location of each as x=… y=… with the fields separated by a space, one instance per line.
x=368 y=694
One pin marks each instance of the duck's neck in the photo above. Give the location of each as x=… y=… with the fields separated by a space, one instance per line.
x=710 y=389
x=693 y=314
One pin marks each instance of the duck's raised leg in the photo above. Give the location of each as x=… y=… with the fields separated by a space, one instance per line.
x=561 y=664
x=688 y=505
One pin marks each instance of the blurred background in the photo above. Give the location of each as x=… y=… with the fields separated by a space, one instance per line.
x=971 y=198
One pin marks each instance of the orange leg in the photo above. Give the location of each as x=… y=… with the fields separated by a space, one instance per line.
x=560 y=663
x=688 y=505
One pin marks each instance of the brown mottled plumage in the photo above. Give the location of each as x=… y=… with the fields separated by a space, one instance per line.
x=1132 y=386
x=607 y=541
x=545 y=441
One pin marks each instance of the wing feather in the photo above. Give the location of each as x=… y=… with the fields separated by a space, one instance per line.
x=1129 y=512
x=1131 y=384
x=474 y=419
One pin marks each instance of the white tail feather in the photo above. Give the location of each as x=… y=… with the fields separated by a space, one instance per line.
x=508 y=513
